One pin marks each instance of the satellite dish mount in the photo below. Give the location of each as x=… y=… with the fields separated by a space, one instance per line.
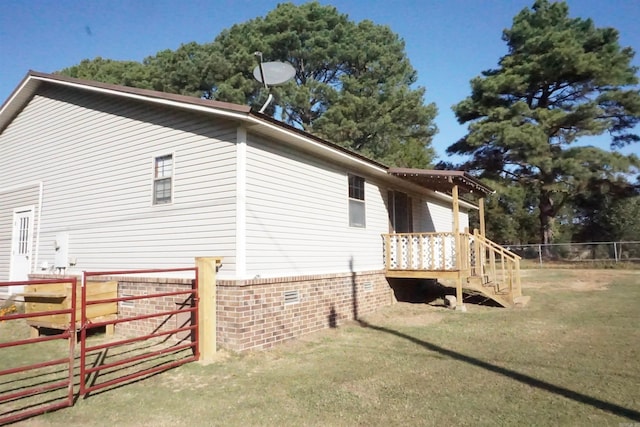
x=272 y=73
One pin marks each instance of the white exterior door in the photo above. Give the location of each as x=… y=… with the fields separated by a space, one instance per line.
x=21 y=244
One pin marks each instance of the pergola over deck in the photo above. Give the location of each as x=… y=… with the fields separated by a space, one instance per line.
x=449 y=182
x=460 y=255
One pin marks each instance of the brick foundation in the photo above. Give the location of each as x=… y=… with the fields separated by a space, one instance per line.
x=254 y=314
x=137 y=286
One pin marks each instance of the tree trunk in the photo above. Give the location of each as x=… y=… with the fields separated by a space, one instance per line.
x=547 y=218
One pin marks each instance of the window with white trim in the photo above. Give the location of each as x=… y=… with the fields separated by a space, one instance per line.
x=357 y=212
x=162 y=179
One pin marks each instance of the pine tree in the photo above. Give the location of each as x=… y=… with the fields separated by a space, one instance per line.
x=561 y=79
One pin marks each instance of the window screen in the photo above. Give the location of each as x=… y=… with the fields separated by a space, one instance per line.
x=357 y=212
x=162 y=179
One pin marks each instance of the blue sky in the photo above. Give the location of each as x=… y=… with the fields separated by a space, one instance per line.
x=448 y=42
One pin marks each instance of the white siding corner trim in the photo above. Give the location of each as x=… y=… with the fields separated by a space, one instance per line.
x=241 y=203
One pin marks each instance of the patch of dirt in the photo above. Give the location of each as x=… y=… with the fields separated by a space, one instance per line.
x=406 y=314
x=574 y=280
x=181 y=379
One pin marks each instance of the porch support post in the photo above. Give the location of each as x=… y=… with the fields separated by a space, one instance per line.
x=480 y=253
x=456 y=209
x=456 y=235
x=481 y=215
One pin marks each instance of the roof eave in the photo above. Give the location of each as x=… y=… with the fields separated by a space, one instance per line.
x=32 y=81
x=468 y=181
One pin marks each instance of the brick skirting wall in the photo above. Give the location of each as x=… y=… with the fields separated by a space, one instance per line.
x=137 y=286
x=253 y=314
x=257 y=313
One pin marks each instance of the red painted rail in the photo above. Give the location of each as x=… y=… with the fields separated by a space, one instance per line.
x=127 y=368
x=21 y=407
x=126 y=364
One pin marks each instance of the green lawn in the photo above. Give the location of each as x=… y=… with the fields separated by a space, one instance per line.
x=571 y=357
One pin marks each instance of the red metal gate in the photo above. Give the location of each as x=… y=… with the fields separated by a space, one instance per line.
x=122 y=360
x=31 y=386
x=104 y=362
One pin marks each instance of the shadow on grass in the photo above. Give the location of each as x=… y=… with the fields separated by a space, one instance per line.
x=525 y=379
x=432 y=290
x=121 y=377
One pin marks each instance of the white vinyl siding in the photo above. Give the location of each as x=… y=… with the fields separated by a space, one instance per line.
x=104 y=206
x=422 y=221
x=298 y=215
x=464 y=220
x=432 y=215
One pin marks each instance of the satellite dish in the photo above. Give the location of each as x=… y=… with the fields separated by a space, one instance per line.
x=274 y=73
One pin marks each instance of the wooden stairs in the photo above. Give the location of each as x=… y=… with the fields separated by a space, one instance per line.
x=494 y=272
x=483 y=286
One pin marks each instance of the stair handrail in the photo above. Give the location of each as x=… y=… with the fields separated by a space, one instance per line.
x=512 y=259
x=509 y=254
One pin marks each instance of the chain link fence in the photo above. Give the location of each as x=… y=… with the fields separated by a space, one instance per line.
x=613 y=252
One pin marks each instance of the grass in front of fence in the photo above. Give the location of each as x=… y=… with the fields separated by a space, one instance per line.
x=580 y=265
x=568 y=358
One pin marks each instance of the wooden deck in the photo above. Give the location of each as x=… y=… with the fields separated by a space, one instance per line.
x=472 y=261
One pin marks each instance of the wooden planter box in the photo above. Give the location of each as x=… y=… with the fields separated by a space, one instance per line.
x=50 y=297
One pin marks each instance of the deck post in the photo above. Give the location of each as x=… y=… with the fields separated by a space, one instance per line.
x=483 y=229
x=456 y=224
x=518 y=292
x=387 y=247
x=456 y=234
x=481 y=216
x=479 y=250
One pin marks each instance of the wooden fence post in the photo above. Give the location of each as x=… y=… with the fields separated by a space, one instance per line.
x=207 y=267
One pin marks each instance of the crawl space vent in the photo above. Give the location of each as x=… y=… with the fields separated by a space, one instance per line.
x=126 y=303
x=291 y=297
x=367 y=286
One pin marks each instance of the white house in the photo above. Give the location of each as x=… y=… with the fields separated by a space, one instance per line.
x=105 y=177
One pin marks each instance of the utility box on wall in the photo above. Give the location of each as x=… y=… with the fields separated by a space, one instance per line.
x=61 y=246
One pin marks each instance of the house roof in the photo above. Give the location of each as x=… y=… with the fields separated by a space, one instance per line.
x=34 y=79
x=257 y=122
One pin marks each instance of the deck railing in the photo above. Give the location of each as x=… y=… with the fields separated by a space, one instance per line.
x=426 y=251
